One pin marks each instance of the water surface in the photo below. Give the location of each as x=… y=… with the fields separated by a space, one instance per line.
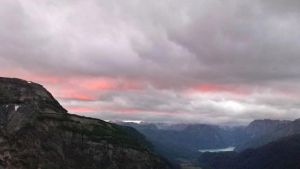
x=217 y=150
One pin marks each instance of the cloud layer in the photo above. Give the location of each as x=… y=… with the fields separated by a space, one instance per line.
x=206 y=61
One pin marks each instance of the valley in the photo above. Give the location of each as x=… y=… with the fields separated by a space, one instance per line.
x=183 y=144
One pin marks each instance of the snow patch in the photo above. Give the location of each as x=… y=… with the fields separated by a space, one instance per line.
x=228 y=149
x=16 y=107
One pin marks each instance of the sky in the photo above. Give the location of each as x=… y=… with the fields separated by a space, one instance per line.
x=195 y=61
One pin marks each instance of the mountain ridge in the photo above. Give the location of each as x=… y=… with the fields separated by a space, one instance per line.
x=268 y=131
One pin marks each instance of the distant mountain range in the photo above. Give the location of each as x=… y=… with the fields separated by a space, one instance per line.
x=184 y=140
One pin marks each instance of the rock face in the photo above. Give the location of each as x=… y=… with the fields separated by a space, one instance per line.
x=36 y=132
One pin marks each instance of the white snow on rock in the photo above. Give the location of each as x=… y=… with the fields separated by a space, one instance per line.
x=16 y=107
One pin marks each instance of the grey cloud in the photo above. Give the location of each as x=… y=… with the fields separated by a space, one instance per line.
x=154 y=105
x=232 y=41
x=170 y=46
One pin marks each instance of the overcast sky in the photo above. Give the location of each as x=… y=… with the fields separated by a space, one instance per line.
x=193 y=61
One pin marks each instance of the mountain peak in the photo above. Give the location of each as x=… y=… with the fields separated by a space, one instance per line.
x=23 y=102
x=20 y=92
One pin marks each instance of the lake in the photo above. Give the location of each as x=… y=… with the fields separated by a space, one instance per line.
x=217 y=150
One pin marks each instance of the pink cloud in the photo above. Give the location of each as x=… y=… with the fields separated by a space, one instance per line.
x=217 y=88
x=77 y=109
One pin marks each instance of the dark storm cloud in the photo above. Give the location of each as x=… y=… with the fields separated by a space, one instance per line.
x=166 y=45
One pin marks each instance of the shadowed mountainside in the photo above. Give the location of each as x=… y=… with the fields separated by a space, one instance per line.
x=262 y=132
x=281 y=154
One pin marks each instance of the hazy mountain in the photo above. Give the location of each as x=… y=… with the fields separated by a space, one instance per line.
x=262 y=132
x=37 y=132
x=281 y=154
x=259 y=128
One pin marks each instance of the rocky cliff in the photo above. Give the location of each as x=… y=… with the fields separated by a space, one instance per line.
x=36 y=132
